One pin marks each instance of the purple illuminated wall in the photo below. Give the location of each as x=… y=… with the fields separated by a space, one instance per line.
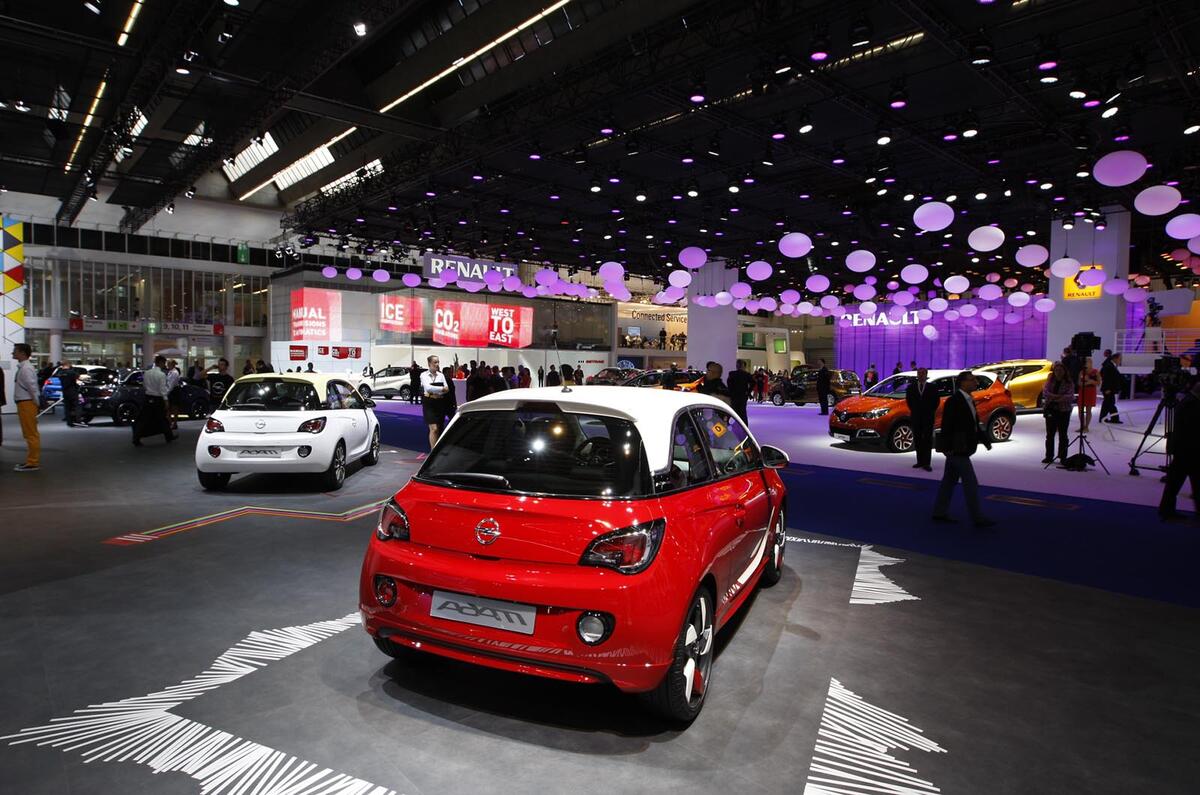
x=961 y=343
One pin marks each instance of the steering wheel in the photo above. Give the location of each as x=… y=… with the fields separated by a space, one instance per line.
x=594 y=451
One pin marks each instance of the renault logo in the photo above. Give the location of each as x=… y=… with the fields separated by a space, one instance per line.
x=260 y=424
x=487 y=531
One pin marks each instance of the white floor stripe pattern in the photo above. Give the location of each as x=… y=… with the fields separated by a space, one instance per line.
x=871 y=585
x=853 y=744
x=143 y=730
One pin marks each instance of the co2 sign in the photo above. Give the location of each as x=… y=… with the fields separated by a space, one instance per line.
x=481 y=325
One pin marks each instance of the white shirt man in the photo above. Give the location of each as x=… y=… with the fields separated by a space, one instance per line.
x=433 y=383
x=155 y=382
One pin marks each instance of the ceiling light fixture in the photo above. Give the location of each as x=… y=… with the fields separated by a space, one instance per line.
x=171 y=208
x=1122 y=133
x=883 y=136
x=360 y=29
x=818 y=51
x=860 y=32
x=714 y=146
x=697 y=95
x=804 y=122
x=898 y=100
x=190 y=192
x=21 y=106
x=1110 y=111
x=93 y=6
x=981 y=53
x=783 y=64
x=839 y=156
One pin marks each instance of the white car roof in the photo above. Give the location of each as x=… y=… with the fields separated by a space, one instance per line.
x=652 y=411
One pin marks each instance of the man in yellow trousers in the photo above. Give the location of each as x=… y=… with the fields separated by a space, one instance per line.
x=25 y=395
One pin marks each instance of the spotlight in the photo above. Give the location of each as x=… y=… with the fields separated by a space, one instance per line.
x=697 y=94
x=949 y=133
x=689 y=156
x=93 y=196
x=860 y=32
x=1046 y=185
x=278 y=253
x=1068 y=223
x=640 y=195
x=190 y=192
x=1047 y=58
x=909 y=197
x=783 y=64
x=170 y=207
x=21 y=106
x=614 y=177
x=898 y=98
x=981 y=53
x=632 y=146
x=970 y=125
x=980 y=196
x=1101 y=224
x=1122 y=133
x=393 y=205
x=768 y=157
x=693 y=189
x=839 y=156
x=734 y=187
x=1110 y=111
x=92 y=5
x=778 y=130
x=1082 y=171
x=951 y=198
x=1192 y=125
x=594 y=185
x=748 y=178
x=360 y=29
x=581 y=155
x=226 y=33
x=805 y=125
x=608 y=126
x=1135 y=70
x=818 y=52
x=714 y=146
x=883 y=136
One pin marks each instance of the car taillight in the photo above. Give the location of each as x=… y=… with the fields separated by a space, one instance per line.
x=393 y=523
x=628 y=550
x=312 y=426
x=213 y=426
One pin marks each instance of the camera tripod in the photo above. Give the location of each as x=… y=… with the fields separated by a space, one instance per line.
x=1168 y=424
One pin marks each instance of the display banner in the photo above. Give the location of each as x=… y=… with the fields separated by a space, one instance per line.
x=401 y=313
x=297 y=353
x=92 y=324
x=468 y=267
x=316 y=314
x=1074 y=291
x=479 y=325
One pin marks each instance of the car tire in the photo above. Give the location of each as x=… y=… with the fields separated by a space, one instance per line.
x=364 y=390
x=777 y=398
x=405 y=392
x=773 y=571
x=1000 y=427
x=372 y=456
x=125 y=413
x=335 y=475
x=213 y=481
x=901 y=438
x=198 y=409
x=676 y=698
x=397 y=651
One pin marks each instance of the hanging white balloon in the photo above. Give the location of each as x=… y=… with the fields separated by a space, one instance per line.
x=1136 y=295
x=1091 y=277
x=938 y=304
x=1018 y=299
x=759 y=270
x=795 y=244
x=829 y=301
x=989 y=313
x=740 y=290
x=903 y=298
x=1116 y=286
x=860 y=260
x=933 y=216
x=957 y=284
x=867 y=308
x=1032 y=255
x=1184 y=227
x=968 y=310
x=930 y=333
x=790 y=297
x=1065 y=268
x=1119 y=168
x=1044 y=305
x=864 y=292
x=986 y=238
x=1157 y=200
x=914 y=273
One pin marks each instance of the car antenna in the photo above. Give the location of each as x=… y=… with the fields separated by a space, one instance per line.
x=558 y=355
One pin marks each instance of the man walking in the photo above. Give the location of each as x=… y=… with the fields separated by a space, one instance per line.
x=25 y=395
x=1183 y=443
x=960 y=439
x=741 y=384
x=1111 y=384
x=922 y=400
x=152 y=419
x=219 y=382
x=712 y=383
x=824 y=379
x=68 y=379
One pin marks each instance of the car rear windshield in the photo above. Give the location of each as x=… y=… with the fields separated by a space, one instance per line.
x=272 y=394
x=541 y=450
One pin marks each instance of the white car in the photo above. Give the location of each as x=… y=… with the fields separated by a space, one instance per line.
x=288 y=422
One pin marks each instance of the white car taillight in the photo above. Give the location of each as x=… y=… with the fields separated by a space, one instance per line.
x=213 y=426
x=628 y=550
x=312 y=426
x=393 y=523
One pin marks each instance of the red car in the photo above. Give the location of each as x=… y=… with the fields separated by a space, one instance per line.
x=596 y=534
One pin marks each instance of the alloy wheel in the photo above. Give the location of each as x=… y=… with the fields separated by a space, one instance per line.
x=780 y=542
x=339 y=464
x=375 y=444
x=903 y=438
x=1001 y=428
x=698 y=645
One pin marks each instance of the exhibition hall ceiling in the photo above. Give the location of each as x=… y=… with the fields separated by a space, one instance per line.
x=583 y=131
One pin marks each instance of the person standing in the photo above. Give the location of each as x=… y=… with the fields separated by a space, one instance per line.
x=198 y=373
x=1183 y=444
x=248 y=367
x=173 y=393
x=662 y=339
x=899 y=368
x=434 y=406
x=761 y=380
x=922 y=400
x=670 y=377
x=1058 y=398
x=712 y=383
x=870 y=378
x=219 y=382
x=824 y=379
x=524 y=378
x=553 y=378
x=152 y=419
x=310 y=369
x=1111 y=384
x=477 y=385
x=68 y=379
x=741 y=384
x=414 y=383
x=25 y=395
x=960 y=439
x=541 y=375
x=1089 y=381
x=1072 y=362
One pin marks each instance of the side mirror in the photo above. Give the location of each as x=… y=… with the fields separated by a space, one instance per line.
x=369 y=403
x=774 y=458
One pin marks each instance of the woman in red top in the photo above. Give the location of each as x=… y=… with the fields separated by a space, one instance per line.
x=1089 y=380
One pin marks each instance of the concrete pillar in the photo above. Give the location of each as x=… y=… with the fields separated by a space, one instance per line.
x=147 y=350
x=230 y=342
x=56 y=345
x=1102 y=313
x=712 y=332
x=612 y=335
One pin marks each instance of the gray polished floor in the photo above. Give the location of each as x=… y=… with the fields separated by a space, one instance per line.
x=972 y=680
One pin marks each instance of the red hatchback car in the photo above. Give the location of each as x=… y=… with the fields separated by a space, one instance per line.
x=593 y=534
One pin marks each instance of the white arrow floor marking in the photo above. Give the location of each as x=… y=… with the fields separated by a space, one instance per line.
x=853 y=745
x=143 y=730
x=871 y=585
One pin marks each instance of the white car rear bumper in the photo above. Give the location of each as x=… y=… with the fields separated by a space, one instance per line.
x=263 y=452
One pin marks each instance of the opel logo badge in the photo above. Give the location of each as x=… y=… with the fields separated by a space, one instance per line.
x=487 y=531
x=260 y=424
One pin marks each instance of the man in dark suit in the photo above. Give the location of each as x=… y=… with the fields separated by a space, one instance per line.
x=741 y=384
x=922 y=400
x=824 y=379
x=1183 y=443
x=959 y=440
x=1111 y=384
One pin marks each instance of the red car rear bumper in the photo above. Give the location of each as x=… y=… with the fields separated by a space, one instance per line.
x=634 y=657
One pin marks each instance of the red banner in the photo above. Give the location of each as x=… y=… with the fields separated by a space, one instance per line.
x=347 y=352
x=479 y=325
x=297 y=353
x=316 y=314
x=401 y=313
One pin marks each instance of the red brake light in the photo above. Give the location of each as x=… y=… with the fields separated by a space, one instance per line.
x=312 y=426
x=213 y=426
x=628 y=550
x=393 y=523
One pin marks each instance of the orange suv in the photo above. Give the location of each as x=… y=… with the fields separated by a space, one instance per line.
x=881 y=413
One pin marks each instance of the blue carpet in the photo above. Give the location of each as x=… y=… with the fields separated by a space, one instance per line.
x=1109 y=545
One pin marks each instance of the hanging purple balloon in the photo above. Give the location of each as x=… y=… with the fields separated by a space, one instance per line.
x=914 y=273
x=512 y=283
x=1044 y=305
x=951 y=315
x=472 y=287
x=610 y=272
x=930 y=332
x=860 y=260
x=497 y=278
x=411 y=280
x=1184 y=227
x=957 y=284
x=1137 y=295
x=867 y=308
x=903 y=299
x=529 y=291
x=992 y=277
x=768 y=303
x=938 y=304
x=968 y=310
x=817 y=283
x=990 y=292
x=353 y=274
x=1012 y=318
x=864 y=292
x=1091 y=277
x=679 y=278
x=1157 y=200
x=1120 y=168
x=448 y=275
x=795 y=244
x=329 y=272
x=790 y=297
x=436 y=282
x=1116 y=286
x=829 y=301
x=758 y=271
x=933 y=216
x=693 y=257
x=545 y=277
x=989 y=314
x=739 y=304
x=1032 y=255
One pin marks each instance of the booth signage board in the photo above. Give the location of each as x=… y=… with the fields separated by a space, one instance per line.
x=1074 y=291
x=92 y=324
x=468 y=267
x=316 y=314
x=185 y=328
x=243 y=254
x=401 y=313
x=479 y=325
x=297 y=353
x=882 y=319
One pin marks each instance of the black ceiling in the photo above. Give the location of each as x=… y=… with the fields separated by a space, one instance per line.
x=297 y=70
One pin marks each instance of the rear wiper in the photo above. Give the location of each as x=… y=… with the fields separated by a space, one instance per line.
x=468 y=477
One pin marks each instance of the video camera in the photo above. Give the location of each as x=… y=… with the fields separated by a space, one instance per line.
x=1169 y=374
x=1085 y=343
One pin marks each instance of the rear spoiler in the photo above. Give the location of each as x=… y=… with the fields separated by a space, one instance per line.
x=565 y=405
